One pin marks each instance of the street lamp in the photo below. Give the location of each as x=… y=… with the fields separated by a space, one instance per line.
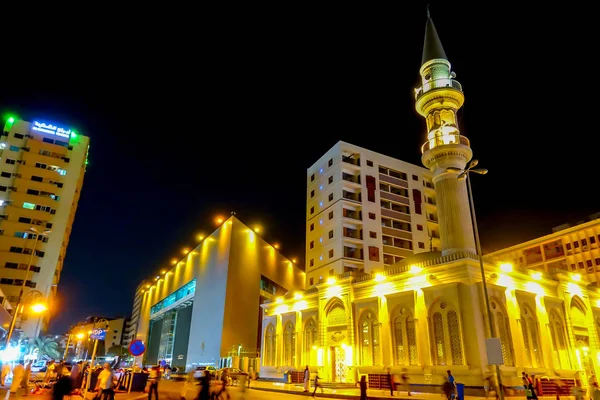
x=37 y=308
x=79 y=336
x=37 y=305
x=464 y=174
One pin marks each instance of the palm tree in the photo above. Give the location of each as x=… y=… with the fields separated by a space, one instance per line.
x=45 y=346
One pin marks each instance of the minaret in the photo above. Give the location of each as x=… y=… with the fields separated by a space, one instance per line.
x=438 y=100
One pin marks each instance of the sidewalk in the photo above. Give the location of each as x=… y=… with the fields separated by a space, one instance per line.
x=372 y=394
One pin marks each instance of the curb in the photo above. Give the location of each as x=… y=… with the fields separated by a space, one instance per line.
x=328 y=395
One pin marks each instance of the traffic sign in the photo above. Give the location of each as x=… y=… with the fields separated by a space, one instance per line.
x=137 y=348
x=99 y=334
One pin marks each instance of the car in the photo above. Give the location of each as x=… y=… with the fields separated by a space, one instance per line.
x=200 y=371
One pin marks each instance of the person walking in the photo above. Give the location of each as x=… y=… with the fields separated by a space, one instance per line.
x=317 y=384
x=406 y=381
x=306 y=379
x=449 y=387
x=390 y=381
x=153 y=378
x=105 y=383
x=5 y=372
x=204 y=393
x=50 y=367
x=75 y=373
x=18 y=374
x=363 y=387
x=26 y=377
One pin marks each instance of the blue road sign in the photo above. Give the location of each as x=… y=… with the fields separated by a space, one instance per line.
x=137 y=348
x=99 y=334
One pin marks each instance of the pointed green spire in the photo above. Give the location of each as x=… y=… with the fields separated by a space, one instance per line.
x=432 y=48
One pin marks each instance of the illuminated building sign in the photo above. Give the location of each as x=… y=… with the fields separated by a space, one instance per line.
x=51 y=129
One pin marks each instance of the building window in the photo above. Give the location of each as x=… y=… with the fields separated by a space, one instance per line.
x=18 y=136
x=597 y=261
x=270 y=346
x=415 y=178
x=5 y=174
x=330 y=179
x=373 y=235
x=576 y=244
x=312 y=262
x=330 y=234
x=418 y=200
x=311 y=281
x=592 y=240
x=312 y=210
x=29 y=206
x=584 y=242
x=372 y=216
x=370 y=350
x=312 y=227
x=312 y=194
x=289 y=345
x=530 y=337
x=330 y=196
x=405 y=339
x=568 y=246
x=330 y=163
x=455 y=341
x=559 y=343
x=310 y=341
x=331 y=253
x=502 y=325
x=419 y=227
x=331 y=272
x=374 y=253
x=438 y=337
x=312 y=178
x=421 y=245
x=10 y=161
x=589 y=263
x=371 y=185
x=369 y=163
x=312 y=244
x=330 y=214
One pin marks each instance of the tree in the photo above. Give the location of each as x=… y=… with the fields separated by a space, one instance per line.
x=45 y=347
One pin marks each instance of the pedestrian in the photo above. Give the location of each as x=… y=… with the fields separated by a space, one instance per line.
x=190 y=382
x=75 y=373
x=18 y=375
x=406 y=381
x=168 y=371
x=306 y=379
x=50 y=367
x=528 y=385
x=5 y=372
x=59 y=368
x=390 y=381
x=153 y=378
x=204 y=393
x=224 y=382
x=61 y=388
x=26 y=377
x=363 y=387
x=105 y=383
x=449 y=387
x=317 y=384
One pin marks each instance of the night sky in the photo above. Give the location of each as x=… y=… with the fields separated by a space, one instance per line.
x=190 y=118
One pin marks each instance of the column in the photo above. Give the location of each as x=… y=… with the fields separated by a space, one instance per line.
x=385 y=338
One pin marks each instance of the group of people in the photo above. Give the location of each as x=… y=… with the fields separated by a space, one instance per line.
x=20 y=376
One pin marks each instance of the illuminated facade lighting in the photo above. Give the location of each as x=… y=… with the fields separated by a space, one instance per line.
x=506 y=267
x=331 y=280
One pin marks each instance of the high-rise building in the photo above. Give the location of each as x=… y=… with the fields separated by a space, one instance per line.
x=41 y=174
x=366 y=211
x=574 y=248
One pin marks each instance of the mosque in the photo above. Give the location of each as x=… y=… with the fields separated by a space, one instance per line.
x=428 y=313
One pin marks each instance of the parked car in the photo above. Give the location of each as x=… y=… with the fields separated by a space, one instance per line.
x=202 y=370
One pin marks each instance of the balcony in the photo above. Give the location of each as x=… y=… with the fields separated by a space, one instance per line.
x=437 y=84
x=351 y=160
x=354 y=253
x=352 y=233
x=357 y=215
x=432 y=218
x=444 y=139
x=351 y=196
x=429 y=200
x=351 y=178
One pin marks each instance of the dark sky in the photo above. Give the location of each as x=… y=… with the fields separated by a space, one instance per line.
x=190 y=116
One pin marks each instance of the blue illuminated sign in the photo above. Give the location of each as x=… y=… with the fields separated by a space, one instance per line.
x=99 y=334
x=51 y=129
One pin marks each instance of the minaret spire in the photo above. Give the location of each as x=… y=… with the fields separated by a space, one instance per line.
x=438 y=101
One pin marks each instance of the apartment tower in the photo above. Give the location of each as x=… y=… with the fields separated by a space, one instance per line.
x=366 y=211
x=41 y=174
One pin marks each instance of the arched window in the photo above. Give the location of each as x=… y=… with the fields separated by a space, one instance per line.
x=502 y=329
x=529 y=328
x=336 y=316
x=446 y=335
x=289 y=345
x=560 y=353
x=370 y=349
x=310 y=340
x=270 y=346
x=405 y=341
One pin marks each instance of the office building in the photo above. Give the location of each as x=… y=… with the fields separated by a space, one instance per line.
x=366 y=211
x=82 y=347
x=574 y=248
x=205 y=308
x=429 y=312
x=41 y=175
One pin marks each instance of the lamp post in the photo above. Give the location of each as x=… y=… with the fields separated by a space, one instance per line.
x=89 y=374
x=464 y=174
x=37 y=307
x=13 y=320
x=79 y=335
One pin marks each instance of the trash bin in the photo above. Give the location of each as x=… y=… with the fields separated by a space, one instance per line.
x=460 y=391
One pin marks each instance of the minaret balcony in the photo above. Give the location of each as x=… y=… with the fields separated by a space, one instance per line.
x=444 y=139
x=437 y=84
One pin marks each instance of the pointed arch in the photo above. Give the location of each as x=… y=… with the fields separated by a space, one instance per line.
x=335 y=311
x=289 y=344
x=446 y=334
x=311 y=338
x=270 y=346
x=404 y=337
x=370 y=346
x=502 y=329
x=578 y=312
x=560 y=353
x=531 y=338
